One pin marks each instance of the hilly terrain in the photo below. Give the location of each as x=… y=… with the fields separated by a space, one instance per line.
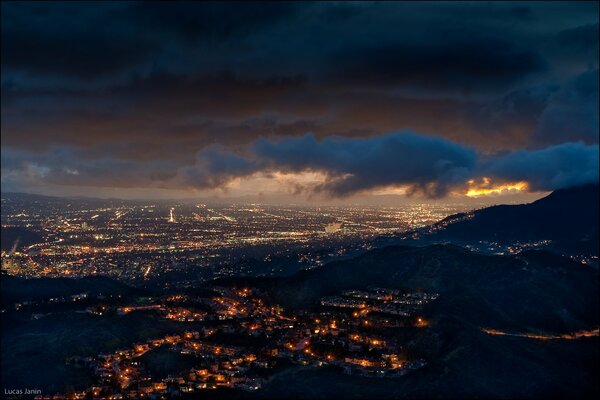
x=534 y=293
x=566 y=217
x=536 y=298
x=537 y=290
x=15 y=289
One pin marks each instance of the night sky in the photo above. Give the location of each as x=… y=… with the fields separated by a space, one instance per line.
x=309 y=102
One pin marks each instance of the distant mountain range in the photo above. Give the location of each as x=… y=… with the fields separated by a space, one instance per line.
x=567 y=217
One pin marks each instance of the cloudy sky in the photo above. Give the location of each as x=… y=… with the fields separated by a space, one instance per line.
x=287 y=101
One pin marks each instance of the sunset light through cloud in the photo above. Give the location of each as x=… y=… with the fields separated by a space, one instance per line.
x=485 y=187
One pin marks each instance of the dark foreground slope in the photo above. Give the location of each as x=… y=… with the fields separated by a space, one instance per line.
x=534 y=290
x=535 y=293
x=18 y=238
x=15 y=289
x=464 y=364
x=567 y=217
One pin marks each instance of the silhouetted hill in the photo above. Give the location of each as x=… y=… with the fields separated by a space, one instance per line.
x=533 y=292
x=538 y=290
x=18 y=289
x=567 y=217
x=18 y=237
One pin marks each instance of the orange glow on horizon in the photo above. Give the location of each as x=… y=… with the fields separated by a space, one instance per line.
x=486 y=187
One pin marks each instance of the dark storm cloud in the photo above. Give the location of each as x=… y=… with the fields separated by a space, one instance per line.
x=68 y=39
x=513 y=116
x=66 y=166
x=430 y=165
x=359 y=164
x=571 y=113
x=464 y=63
x=581 y=41
x=206 y=21
x=556 y=167
x=153 y=84
x=92 y=40
x=158 y=115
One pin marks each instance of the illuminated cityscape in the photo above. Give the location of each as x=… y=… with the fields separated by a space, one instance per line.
x=267 y=200
x=133 y=242
x=349 y=340
x=193 y=272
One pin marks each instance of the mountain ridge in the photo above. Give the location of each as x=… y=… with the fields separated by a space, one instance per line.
x=568 y=218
